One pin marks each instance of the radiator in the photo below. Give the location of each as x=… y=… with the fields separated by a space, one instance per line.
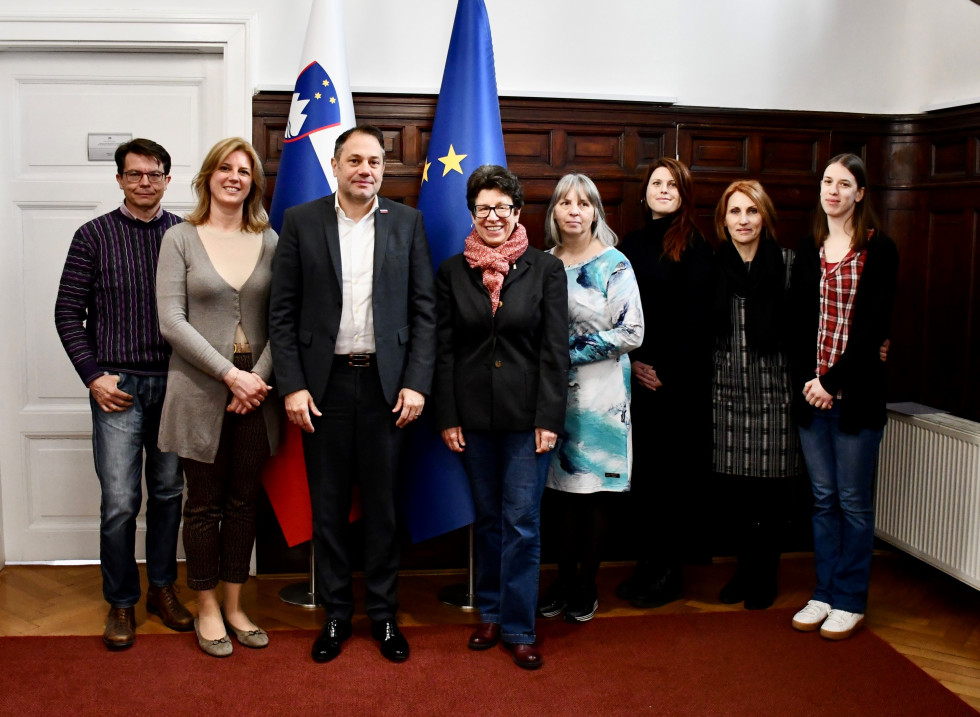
x=927 y=499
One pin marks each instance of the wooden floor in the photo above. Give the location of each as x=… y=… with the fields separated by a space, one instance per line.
x=929 y=617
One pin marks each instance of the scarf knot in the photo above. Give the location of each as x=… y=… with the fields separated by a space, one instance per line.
x=495 y=261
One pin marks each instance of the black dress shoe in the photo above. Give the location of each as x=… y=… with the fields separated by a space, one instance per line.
x=667 y=588
x=733 y=592
x=643 y=576
x=394 y=646
x=327 y=646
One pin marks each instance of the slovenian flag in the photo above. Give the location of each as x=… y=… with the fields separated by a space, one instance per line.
x=321 y=110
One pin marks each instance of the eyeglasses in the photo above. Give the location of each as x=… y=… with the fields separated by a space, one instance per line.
x=482 y=211
x=135 y=177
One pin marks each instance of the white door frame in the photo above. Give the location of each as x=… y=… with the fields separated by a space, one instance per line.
x=231 y=35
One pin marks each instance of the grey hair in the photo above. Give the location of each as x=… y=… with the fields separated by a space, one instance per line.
x=586 y=188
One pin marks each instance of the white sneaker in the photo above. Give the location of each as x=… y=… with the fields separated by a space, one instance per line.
x=809 y=618
x=841 y=624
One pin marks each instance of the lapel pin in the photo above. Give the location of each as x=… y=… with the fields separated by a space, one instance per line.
x=383 y=211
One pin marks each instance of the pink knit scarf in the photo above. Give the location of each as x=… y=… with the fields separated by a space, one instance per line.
x=495 y=261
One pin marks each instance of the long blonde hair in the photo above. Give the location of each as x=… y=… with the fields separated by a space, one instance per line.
x=254 y=217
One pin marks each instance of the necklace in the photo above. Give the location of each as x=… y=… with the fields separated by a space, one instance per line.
x=569 y=258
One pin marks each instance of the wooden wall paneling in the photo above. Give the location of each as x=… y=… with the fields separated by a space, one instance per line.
x=947 y=316
x=949 y=157
x=973 y=344
x=907 y=361
x=707 y=149
x=925 y=182
x=534 y=149
x=917 y=164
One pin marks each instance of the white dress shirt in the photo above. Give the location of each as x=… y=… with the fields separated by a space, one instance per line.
x=356 y=334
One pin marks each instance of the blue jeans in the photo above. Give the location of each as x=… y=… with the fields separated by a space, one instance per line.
x=842 y=469
x=508 y=479
x=118 y=443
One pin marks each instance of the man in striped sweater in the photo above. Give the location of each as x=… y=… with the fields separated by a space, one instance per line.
x=106 y=316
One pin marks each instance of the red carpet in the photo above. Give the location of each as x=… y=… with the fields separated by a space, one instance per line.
x=743 y=663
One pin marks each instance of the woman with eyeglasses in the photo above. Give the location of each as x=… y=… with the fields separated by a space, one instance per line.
x=841 y=297
x=500 y=389
x=219 y=415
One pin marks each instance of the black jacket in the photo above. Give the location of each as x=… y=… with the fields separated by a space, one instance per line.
x=859 y=374
x=307 y=299
x=509 y=371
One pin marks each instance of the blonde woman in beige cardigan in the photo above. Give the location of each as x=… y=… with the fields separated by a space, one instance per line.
x=219 y=415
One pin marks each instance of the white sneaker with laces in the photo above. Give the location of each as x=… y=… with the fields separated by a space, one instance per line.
x=841 y=624
x=811 y=616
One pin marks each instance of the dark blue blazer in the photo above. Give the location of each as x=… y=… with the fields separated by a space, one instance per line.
x=307 y=298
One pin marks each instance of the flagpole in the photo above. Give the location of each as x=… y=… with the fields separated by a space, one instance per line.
x=304 y=594
x=466 y=133
x=463 y=595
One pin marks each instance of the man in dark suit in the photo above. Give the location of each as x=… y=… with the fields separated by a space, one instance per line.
x=352 y=328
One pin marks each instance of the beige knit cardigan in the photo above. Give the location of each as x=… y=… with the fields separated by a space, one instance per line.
x=199 y=312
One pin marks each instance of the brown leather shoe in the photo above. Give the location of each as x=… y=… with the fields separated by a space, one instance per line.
x=526 y=656
x=485 y=636
x=163 y=602
x=120 y=628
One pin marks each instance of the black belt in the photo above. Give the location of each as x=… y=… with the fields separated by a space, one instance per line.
x=354 y=360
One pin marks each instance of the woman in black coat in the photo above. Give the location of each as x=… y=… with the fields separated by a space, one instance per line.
x=671 y=378
x=500 y=392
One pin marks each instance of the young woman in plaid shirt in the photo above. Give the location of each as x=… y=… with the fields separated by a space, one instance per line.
x=842 y=293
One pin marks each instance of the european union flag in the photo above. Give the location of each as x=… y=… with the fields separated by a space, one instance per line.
x=466 y=134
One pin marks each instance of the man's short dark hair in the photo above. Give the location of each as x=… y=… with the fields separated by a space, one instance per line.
x=144 y=148
x=368 y=129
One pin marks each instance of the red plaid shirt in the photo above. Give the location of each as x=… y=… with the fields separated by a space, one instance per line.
x=838 y=287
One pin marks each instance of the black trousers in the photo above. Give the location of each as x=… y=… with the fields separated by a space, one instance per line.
x=354 y=442
x=667 y=505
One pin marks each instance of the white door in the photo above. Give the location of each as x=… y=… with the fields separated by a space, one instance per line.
x=48 y=187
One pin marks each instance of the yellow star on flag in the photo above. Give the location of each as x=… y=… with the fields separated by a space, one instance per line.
x=452 y=161
x=326 y=83
x=318 y=95
x=333 y=100
x=425 y=172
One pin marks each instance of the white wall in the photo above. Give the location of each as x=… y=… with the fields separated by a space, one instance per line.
x=874 y=56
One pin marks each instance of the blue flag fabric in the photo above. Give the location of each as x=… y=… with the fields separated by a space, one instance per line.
x=466 y=134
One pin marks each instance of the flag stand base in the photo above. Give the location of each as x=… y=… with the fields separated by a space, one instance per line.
x=458 y=595
x=302 y=594
x=463 y=595
x=299 y=594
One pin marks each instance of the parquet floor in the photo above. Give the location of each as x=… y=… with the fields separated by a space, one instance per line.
x=929 y=617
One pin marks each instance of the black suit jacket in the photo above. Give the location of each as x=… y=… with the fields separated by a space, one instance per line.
x=509 y=371
x=307 y=298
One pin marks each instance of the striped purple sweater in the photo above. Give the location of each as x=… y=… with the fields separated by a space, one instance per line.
x=106 y=311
